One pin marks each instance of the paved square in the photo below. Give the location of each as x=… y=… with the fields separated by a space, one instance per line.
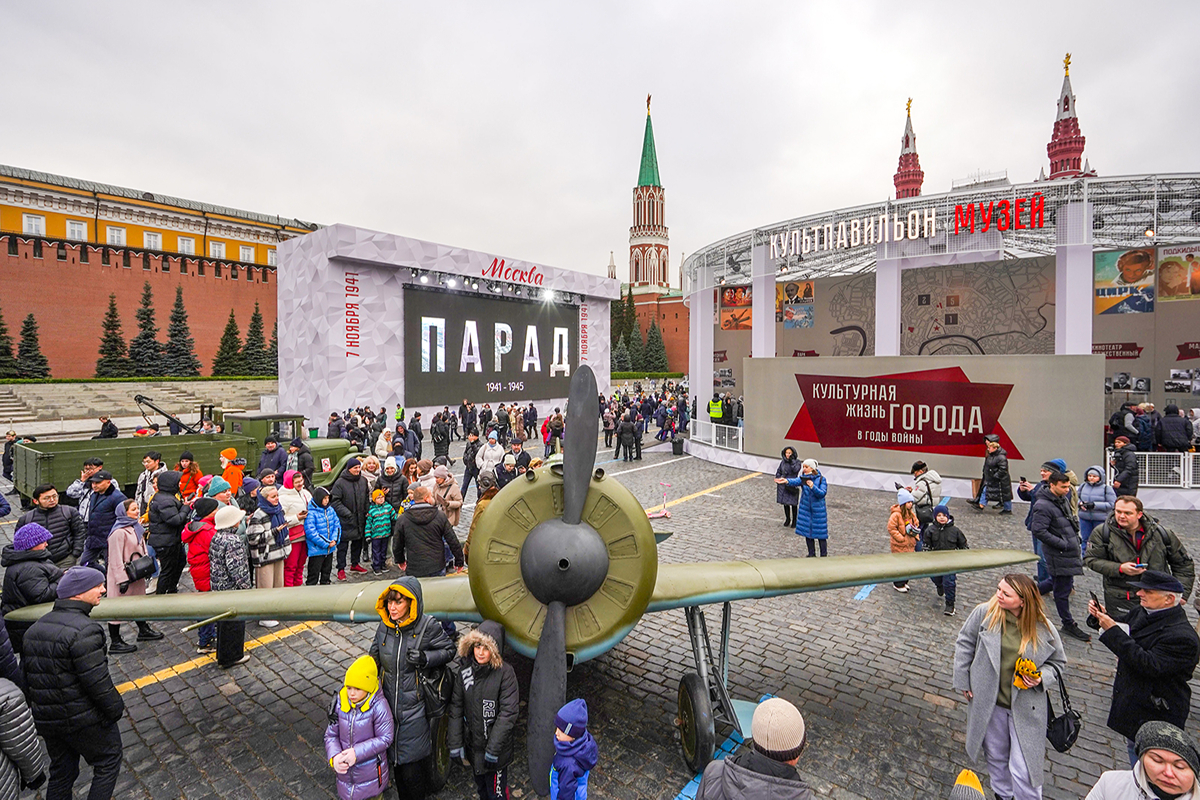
x=871 y=671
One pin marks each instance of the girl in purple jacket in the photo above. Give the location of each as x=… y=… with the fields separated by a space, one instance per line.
x=359 y=734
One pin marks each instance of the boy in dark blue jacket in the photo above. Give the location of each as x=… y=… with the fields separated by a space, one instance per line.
x=575 y=752
x=943 y=534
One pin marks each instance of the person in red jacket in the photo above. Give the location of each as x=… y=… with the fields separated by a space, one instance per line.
x=197 y=535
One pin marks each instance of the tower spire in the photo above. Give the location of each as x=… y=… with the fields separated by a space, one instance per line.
x=648 y=251
x=908 y=177
x=1066 y=143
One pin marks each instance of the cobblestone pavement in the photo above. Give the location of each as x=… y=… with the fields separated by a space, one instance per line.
x=872 y=676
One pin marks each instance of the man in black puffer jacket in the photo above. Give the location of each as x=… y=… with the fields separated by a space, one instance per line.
x=1175 y=431
x=420 y=533
x=74 y=703
x=168 y=515
x=1058 y=532
x=63 y=522
x=350 y=497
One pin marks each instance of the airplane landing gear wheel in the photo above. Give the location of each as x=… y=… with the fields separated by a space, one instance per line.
x=440 y=762
x=697 y=731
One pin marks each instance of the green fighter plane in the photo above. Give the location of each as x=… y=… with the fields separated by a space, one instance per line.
x=567 y=561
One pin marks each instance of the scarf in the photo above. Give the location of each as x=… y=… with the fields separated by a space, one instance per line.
x=278 y=522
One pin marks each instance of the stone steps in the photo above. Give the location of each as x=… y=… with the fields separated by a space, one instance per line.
x=89 y=400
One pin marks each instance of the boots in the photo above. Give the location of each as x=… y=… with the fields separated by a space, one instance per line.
x=949 y=612
x=119 y=645
x=1075 y=632
x=148 y=634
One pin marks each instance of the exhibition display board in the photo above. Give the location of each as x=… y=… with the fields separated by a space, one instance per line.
x=883 y=413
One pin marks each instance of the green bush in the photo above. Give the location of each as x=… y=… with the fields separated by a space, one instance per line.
x=147 y=378
x=637 y=376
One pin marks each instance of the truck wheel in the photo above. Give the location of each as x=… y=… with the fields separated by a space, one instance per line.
x=440 y=767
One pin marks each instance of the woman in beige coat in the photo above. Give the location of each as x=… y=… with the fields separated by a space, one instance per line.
x=126 y=541
x=447 y=494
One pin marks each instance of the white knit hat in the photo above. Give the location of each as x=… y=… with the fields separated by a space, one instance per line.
x=778 y=729
x=811 y=463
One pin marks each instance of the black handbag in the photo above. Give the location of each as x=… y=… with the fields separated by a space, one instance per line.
x=139 y=567
x=435 y=683
x=1063 y=730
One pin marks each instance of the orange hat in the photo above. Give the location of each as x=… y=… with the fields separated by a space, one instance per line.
x=229 y=453
x=378 y=493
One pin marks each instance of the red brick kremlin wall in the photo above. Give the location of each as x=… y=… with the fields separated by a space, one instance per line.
x=69 y=300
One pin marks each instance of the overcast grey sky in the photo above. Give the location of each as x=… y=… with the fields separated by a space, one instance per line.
x=516 y=128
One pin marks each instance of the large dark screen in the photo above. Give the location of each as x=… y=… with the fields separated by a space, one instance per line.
x=485 y=348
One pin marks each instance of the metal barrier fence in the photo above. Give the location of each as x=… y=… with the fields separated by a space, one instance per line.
x=727 y=437
x=1164 y=470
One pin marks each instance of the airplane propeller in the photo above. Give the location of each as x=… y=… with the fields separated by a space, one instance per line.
x=563 y=562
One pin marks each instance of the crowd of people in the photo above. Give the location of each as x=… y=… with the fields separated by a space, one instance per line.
x=396 y=511
x=1174 y=431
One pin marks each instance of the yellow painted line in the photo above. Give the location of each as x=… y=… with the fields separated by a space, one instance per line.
x=710 y=489
x=187 y=666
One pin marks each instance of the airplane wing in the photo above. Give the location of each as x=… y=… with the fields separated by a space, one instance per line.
x=445 y=598
x=702 y=583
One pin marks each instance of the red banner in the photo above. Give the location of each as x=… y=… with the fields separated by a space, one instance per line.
x=719 y=356
x=934 y=411
x=1188 y=351
x=805 y=354
x=1117 y=350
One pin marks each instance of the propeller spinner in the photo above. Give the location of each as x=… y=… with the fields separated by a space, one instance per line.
x=570 y=562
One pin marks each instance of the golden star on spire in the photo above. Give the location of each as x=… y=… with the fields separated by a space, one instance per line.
x=1067 y=65
x=908 y=107
x=647 y=105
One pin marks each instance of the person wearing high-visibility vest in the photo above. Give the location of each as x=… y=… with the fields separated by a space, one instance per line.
x=714 y=409
x=399 y=412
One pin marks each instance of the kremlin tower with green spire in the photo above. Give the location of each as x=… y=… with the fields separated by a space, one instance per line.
x=648 y=252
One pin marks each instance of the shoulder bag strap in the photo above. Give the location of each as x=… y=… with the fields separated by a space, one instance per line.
x=1062 y=688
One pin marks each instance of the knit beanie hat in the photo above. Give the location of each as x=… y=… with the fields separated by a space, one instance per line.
x=249 y=485
x=778 y=729
x=904 y=496
x=390 y=463
x=30 y=535
x=228 y=517
x=354 y=462
x=572 y=719
x=1055 y=465
x=186 y=455
x=363 y=674
x=510 y=460
x=296 y=442
x=811 y=463
x=942 y=508
x=1158 y=735
x=1121 y=440
x=441 y=472
x=967 y=787
x=78 y=580
x=229 y=453
x=216 y=486
x=204 y=507
x=378 y=494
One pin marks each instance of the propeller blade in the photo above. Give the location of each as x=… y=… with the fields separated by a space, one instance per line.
x=547 y=693
x=579 y=443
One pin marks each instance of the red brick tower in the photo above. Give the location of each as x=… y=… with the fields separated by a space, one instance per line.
x=648 y=257
x=1066 y=145
x=908 y=177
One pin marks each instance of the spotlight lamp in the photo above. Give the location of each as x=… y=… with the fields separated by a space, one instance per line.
x=452 y=283
x=1150 y=233
x=424 y=279
x=474 y=284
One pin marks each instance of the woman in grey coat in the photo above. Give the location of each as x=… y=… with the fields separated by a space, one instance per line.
x=1006 y=716
x=22 y=761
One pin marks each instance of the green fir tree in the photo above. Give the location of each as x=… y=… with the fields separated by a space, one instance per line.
x=636 y=347
x=114 y=360
x=29 y=352
x=629 y=320
x=655 y=355
x=228 y=360
x=273 y=350
x=620 y=357
x=8 y=363
x=179 y=354
x=145 y=351
x=616 y=322
x=254 y=351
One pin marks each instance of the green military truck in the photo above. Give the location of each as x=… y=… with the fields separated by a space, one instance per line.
x=59 y=462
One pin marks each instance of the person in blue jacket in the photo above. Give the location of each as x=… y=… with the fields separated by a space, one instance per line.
x=1096 y=500
x=575 y=752
x=322 y=532
x=811 y=520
